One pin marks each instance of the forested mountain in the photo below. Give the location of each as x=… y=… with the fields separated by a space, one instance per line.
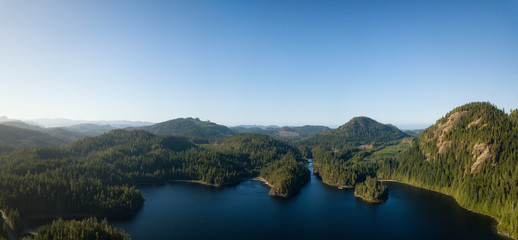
x=285 y=132
x=358 y=131
x=87 y=129
x=190 y=127
x=96 y=176
x=471 y=154
x=12 y=137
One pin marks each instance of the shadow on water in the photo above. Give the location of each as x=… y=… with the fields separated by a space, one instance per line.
x=245 y=211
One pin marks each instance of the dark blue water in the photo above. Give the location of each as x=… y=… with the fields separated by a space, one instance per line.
x=245 y=211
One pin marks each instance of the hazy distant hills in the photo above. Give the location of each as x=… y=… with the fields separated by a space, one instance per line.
x=287 y=132
x=358 y=131
x=63 y=122
x=18 y=137
x=190 y=127
x=65 y=134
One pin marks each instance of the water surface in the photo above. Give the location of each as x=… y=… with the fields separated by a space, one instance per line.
x=245 y=211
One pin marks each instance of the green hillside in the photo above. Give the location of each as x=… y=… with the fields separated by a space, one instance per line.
x=190 y=127
x=290 y=133
x=97 y=175
x=358 y=131
x=19 y=137
x=471 y=154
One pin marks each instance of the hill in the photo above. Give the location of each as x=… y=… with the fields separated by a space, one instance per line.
x=190 y=127
x=471 y=154
x=19 y=137
x=97 y=175
x=68 y=133
x=357 y=132
x=24 y=125
x=284 y=132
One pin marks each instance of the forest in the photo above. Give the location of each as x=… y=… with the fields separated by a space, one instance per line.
x=470 y=154
x=371 y=190
x=97 y=176
x=86 y=229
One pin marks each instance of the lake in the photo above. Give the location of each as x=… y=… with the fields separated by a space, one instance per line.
x=245 y=211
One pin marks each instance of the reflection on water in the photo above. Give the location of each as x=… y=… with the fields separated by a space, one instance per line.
x=245 y=211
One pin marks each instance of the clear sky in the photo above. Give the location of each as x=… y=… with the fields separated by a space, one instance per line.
x=256 y=62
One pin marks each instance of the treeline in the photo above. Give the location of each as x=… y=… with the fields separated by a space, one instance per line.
x=343 y=168
x=96 y=176
x=3 y=231
x=371 y=190
x=358 y=131
x=86 y=229
x=286 y=176
x=491 y=187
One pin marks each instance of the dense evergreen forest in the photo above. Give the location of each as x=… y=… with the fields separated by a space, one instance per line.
x=190 y=127
x=286 y=177
x=86 y=229
x=371 y=190
x=348 y=155
x=471 y=154
x=96 y=176
x=359 y=131
x=12 y=137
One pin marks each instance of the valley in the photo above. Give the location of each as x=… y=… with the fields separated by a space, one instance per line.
x=469 y=154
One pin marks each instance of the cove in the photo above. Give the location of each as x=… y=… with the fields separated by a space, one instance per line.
x=245 y=211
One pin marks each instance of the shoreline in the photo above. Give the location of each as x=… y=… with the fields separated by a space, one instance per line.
x=331 y=185
x=501 y=233
x=367 y=200
x=196 y=181
x=137 y=185
x=262 y=180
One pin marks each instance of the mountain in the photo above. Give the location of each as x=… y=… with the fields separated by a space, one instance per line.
x=367 y=129
x=24 y=125
x=89 y=129
x=63 y=122
x=19 y=137
x=286 y=132
x=190 y=127
x=470 y=154
x=69 y=133
x=415 y=132
x=358 y=131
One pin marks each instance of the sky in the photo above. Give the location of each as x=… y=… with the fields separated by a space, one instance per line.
x=233 y=62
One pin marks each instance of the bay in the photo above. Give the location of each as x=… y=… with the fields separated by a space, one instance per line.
x=245 y=211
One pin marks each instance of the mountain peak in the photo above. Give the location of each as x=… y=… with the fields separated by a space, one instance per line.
x=190 y=127
x=365 y=128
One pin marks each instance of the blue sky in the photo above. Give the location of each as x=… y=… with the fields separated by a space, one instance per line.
x=256 y=62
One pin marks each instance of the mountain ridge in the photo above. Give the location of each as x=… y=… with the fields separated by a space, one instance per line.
x=471 y=154
x=356 y=132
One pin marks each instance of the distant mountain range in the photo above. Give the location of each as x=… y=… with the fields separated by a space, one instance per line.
x=286 y=132
x=358 y=131
x=64 y=122
x=11 y=137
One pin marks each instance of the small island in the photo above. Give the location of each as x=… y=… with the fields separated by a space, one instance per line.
x=371 y=191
